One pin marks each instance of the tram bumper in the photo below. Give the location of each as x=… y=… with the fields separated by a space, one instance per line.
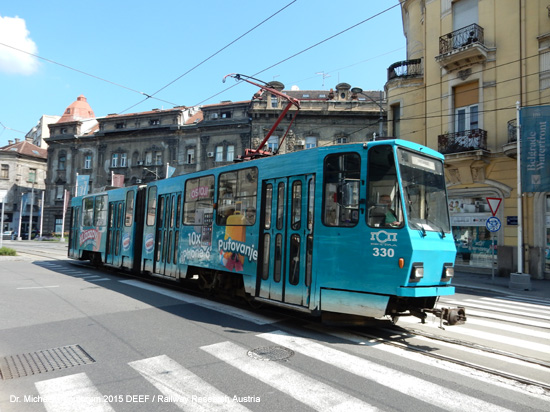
x=420 y=292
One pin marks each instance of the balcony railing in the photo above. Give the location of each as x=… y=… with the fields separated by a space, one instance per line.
x=466 y=141
x=405 y=69
x=512 y=131
x=460 y=38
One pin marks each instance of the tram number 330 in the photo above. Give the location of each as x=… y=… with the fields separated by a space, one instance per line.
x=383 y=252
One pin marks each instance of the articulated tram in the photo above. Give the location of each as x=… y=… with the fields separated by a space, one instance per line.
x=354 y=230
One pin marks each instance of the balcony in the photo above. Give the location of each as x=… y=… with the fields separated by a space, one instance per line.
x=405 y=69
x=466 y=141
x=510 y=149
x=462 y=48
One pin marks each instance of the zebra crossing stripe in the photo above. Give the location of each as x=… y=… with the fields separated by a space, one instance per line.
x=506 y=340
x=301 y=387
x=180 y=386
x=431 y=393
x=494 y=308
x=72 y=393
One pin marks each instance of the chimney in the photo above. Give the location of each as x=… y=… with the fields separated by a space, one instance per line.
x=10 y=142
x=16 y=140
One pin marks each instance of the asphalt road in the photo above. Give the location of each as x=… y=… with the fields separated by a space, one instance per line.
x=77 y=339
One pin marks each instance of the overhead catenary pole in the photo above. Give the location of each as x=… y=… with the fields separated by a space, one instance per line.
x=520 y=195
x=42 y=213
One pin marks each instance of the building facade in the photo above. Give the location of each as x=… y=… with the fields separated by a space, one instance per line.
x=468 y=63
x=22 y=179
x=145 y=146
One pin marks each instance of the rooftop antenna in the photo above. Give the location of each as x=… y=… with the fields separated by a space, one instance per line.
x=324 y=76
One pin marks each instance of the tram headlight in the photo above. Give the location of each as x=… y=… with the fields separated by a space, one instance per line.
x=448 y=272
x=417 y=272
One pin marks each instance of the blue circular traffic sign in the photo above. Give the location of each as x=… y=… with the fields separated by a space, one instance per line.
x=493 y=224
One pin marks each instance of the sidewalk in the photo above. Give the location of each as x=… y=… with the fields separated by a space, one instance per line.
x=540 y=289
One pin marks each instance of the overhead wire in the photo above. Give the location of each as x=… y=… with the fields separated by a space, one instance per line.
x=304 y=50
x=83 y=72
x=214 y=54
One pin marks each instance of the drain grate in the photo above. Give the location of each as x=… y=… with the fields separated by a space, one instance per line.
x=48 y=360
x=270 y=353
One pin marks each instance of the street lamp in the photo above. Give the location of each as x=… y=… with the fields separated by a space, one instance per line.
x=358 y=90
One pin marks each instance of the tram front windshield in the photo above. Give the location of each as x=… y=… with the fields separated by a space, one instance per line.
x=424 y=192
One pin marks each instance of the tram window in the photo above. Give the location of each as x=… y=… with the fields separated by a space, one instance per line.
x=278 y=257
x=237 y=192
x=160 y=212
x=87 y=211
x=309 y=257
x=265 y=262
x=100 y=211
x=199 y=201
x=384 y=206
x=152 y=206
x=310 y=203
x=341 y=187
x=296 y=209
x=173 y=211
x=178 y=210
x=119 y=215
x=129 y=219
x=268 y=199
x=280 y=206
x=294 y=275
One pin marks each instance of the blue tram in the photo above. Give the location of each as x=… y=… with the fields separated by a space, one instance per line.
x=355 y=229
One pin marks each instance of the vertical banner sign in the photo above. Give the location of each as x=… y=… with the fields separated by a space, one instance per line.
x=82 y=182
x=535 y=148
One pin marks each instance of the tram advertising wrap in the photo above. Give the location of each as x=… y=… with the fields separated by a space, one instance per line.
x=355 y=230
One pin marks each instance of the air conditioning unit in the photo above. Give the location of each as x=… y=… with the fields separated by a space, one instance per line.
x=210 y=154
x=301 y=143
x=140 y=162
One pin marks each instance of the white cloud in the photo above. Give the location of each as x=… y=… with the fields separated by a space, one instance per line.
x=13 y=59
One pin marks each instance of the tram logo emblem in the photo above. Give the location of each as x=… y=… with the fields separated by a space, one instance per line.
x=382 y=236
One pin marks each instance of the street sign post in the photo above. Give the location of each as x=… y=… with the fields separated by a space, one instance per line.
x=494 y=203
x=493 y=225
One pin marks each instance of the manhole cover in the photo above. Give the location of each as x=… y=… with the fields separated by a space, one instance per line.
x=25 y=364
x=270 y=353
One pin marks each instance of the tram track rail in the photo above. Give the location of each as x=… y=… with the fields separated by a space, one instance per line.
x=381 y=338
x=397 y=342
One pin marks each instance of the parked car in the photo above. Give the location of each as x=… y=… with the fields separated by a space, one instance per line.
x=7 y=235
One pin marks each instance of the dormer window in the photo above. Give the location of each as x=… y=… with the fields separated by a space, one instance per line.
x=68 y=111
x=120 y=125
x=154 y=122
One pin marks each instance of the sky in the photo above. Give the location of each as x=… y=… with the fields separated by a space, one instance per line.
x=133 y=56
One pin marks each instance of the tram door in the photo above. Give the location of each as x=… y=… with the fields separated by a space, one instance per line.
x=114 y=233
x=287 y=233
x=167 y=234
x=74 y=234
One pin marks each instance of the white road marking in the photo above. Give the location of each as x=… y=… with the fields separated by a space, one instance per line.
x=505 y=309
x=182 y=387
x=431 y=393
x=312 y=393
x=37 y=287
x=72 y=393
